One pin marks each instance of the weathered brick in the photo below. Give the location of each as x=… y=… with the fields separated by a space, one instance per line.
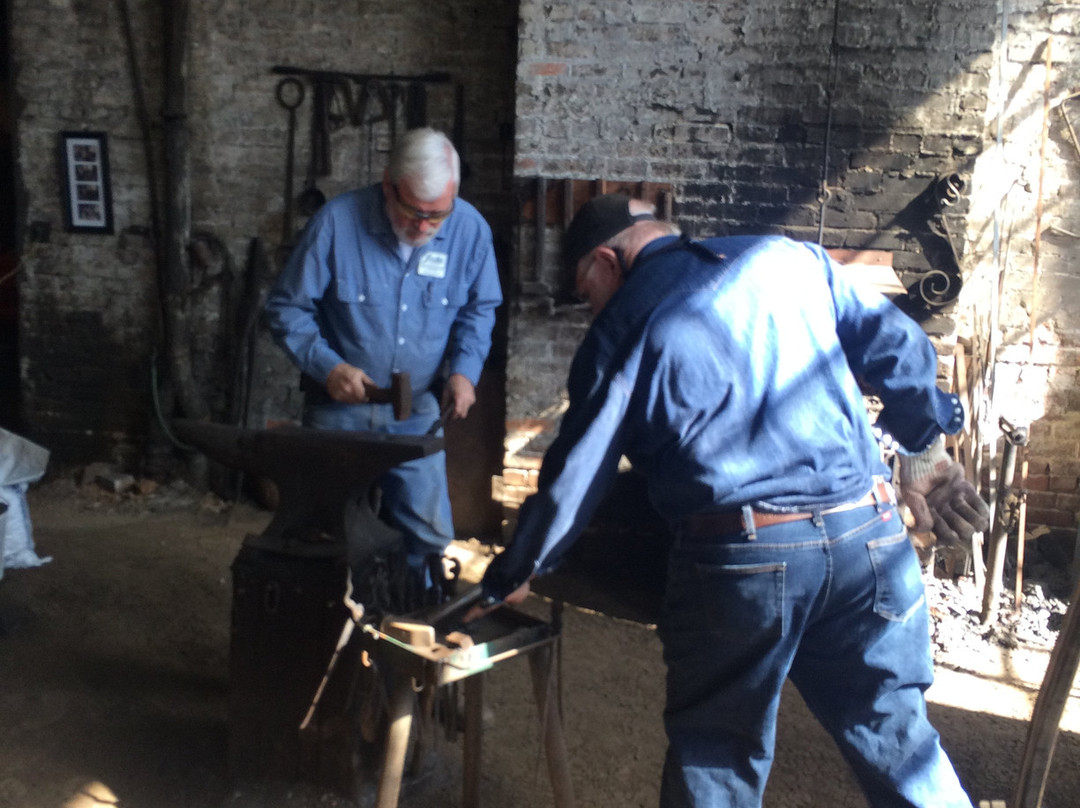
x=1051 y=517
x=727 y=106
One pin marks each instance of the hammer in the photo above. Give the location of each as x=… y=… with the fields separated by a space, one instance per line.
x=399 y=394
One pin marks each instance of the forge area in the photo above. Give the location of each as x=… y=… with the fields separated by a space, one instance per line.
x=114 y=671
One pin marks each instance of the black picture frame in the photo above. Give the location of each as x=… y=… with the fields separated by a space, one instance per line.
x=84 y=160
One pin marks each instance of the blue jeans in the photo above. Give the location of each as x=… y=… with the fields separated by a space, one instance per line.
x=415 y=495
x=837 y=604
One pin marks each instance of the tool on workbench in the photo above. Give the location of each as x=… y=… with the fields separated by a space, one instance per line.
x=455 y=607
x=419 y=627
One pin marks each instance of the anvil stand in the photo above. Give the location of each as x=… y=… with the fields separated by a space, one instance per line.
x=289 y=585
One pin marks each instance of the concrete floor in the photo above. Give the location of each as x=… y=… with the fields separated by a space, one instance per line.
x=114 y=669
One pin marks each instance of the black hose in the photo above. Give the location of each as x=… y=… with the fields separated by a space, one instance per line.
x=162 y=422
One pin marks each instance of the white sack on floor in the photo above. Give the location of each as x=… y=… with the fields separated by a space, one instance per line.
x=21 y=463
x=21 y=460
x=16 y=535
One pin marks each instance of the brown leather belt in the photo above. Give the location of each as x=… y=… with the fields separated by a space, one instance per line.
x=702 y=525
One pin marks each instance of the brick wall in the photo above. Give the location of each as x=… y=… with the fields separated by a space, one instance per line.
x=743 y=108
x=89 y=312
x=728 y=104
x=1023 y=230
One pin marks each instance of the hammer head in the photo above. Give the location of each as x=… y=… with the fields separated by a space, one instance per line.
x=401 y=395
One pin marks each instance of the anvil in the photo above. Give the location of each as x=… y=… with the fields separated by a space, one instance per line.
x=324 y=479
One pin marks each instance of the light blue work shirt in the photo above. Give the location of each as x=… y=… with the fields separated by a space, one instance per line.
x=730 y=372
x=346 y=295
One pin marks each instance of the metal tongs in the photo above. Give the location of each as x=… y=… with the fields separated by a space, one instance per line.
x=356 y=614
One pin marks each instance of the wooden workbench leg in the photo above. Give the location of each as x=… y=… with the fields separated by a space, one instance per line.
x=474 y=729
x=397 y=743
x=423 y=718
x=551 y=724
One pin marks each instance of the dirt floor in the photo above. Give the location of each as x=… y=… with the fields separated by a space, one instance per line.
x=114 y=683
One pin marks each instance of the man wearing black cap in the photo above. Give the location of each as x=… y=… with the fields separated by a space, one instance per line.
x=726 y=371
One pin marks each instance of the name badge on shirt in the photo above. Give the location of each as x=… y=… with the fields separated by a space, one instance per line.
x=432 y=265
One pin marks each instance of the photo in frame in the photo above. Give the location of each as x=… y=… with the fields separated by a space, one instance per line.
x=84 y=159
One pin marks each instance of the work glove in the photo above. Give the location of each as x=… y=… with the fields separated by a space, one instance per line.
x=940 y=498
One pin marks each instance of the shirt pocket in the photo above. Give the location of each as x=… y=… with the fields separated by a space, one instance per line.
x=356 y=289
x=364 y=315
x=440 y=303
x=899 y=590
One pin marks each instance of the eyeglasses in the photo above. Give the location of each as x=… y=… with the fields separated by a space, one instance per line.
x=409 y=212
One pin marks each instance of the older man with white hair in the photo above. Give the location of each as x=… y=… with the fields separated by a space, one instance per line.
x=397 y=277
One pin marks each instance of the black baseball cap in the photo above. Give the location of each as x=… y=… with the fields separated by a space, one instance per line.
x=596 y=221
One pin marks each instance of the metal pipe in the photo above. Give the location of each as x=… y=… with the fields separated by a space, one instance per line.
x=995 y=564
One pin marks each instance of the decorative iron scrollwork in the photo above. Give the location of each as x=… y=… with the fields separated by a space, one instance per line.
x=927 y=217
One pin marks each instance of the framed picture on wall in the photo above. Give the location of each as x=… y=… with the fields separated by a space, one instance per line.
x=84 y=159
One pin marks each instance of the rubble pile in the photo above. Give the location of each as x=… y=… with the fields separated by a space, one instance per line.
x=102 y=487
x=957 y=630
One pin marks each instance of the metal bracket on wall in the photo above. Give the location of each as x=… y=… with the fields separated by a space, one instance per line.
x=926 y=217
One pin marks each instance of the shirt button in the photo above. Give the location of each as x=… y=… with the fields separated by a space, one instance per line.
x=401 y=340
x=360 y=298
x=445 y=301
x=404 y=306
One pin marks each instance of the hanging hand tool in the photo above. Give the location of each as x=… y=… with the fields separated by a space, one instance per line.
x=290 y=95
x=415 y=105
x=311 y=198
x=320 y=127
x=390 y=103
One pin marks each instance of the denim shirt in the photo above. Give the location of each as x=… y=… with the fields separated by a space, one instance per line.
x=728 y=371
x=346 y=295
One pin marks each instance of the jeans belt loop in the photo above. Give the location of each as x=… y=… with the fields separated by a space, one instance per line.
x=748 y=522
x=884 y=494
